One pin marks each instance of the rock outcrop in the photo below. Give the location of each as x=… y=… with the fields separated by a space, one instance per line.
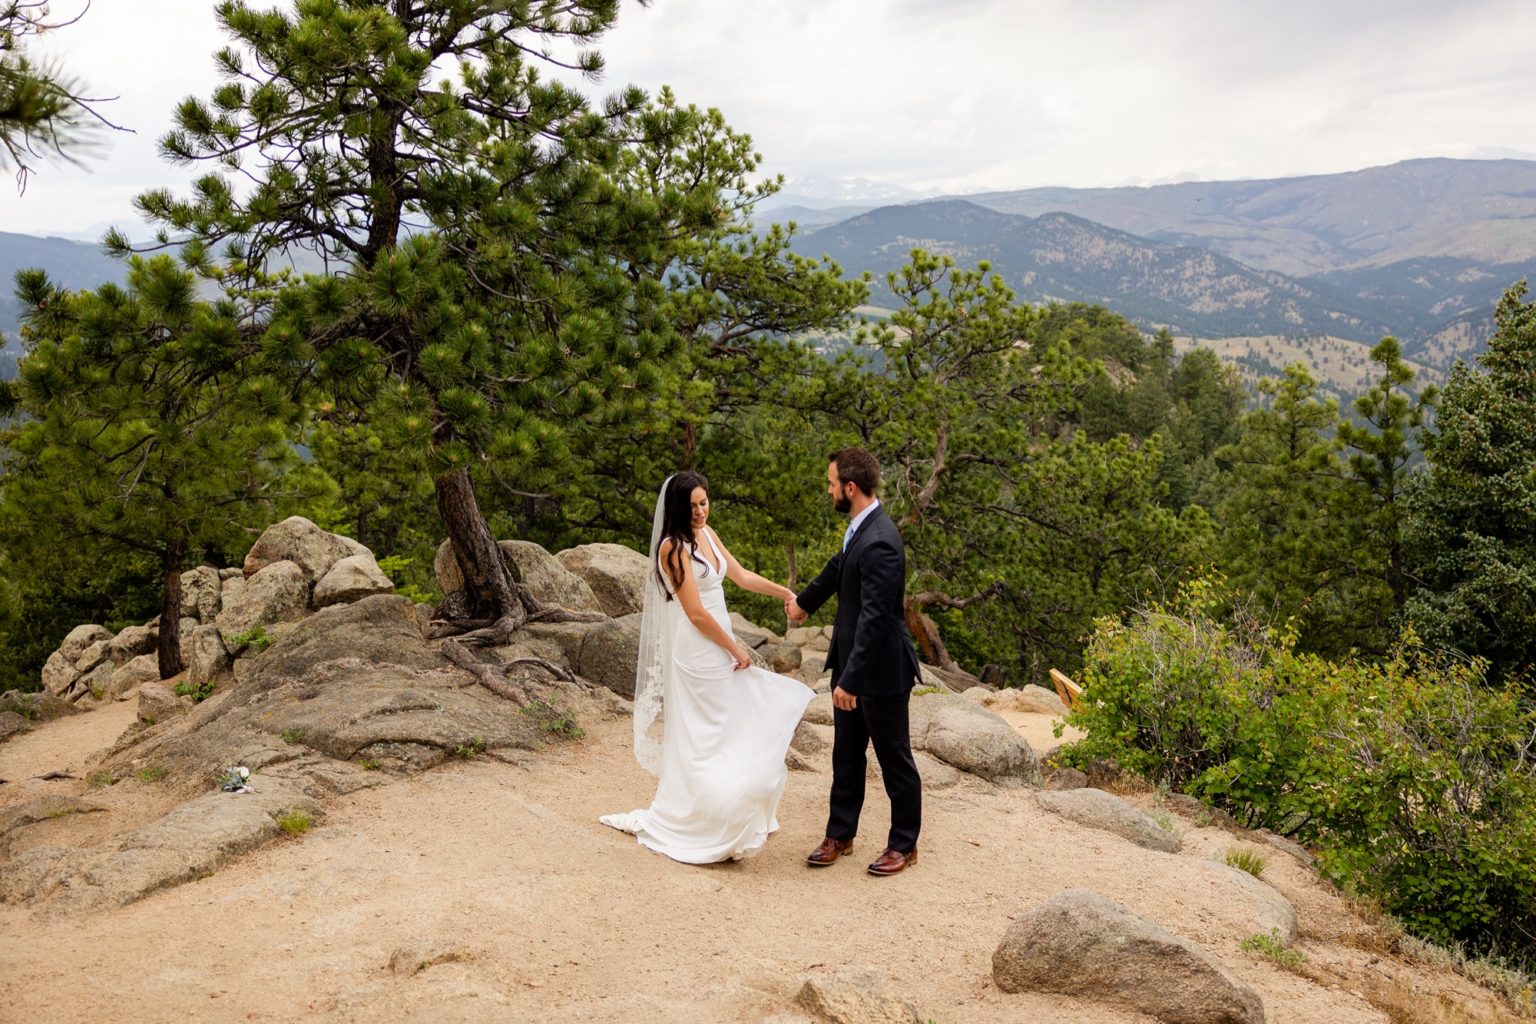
x=1094 y=808
x=1035 y=700
x=1080 y=944
x=301 y=542
x=614 y=573
x=963 y=734
x=294 y=568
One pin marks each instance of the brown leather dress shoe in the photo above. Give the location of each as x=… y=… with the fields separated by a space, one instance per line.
x=892 y=861
x=829 y=850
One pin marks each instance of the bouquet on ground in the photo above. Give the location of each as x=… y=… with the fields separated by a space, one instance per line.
x=236 y=779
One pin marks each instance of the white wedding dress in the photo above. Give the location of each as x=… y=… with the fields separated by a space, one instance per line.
x=724 y=737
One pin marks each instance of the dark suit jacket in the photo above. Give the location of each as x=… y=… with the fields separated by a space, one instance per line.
x=871 y=652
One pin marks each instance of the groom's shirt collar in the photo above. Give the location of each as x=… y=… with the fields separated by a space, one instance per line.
x=858 y=520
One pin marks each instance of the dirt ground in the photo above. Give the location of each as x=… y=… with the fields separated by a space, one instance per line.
x=483 y=891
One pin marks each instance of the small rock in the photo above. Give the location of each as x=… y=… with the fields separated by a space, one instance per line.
x=812 y=638
x=749 y=632
x=10 y=724
x=972 y=739
x=1058 y=779
x=351 y=579
x=610 y=653
x=59 y=673
x=158 y=703
x=781 y=657
x=93 y=656
x=1080 y=944
x=209 y=655
x=277 y=592
x=1094 y=808
x=819 y=710
x=300 y=542
x=132 y=642
x=1271 y=912
x=125 y=682
x=202 y=593
x=81 y=637
x=1035 y=700
x=615 y=573
x=95 y=682
x=855 y=995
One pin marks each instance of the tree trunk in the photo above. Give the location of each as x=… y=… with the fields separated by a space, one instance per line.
x=926 y=633
x=789 y=552
x=487 y=579
x=169 y=650
x=492 y=597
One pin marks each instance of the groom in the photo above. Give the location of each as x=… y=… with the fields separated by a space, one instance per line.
x=873 y=663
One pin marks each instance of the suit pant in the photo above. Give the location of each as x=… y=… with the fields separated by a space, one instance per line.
x=883 y=722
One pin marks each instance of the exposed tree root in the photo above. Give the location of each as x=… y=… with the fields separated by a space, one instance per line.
x=462 y=637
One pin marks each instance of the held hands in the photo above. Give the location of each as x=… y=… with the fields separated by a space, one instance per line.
x=793 y=611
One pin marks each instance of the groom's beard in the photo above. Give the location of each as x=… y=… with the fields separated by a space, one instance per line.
x=843 y=505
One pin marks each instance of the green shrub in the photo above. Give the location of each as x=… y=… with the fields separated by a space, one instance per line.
x=199 y=692
x=257 y=638
x=1431 y=801
x=1227 y=712
x=1413 y=776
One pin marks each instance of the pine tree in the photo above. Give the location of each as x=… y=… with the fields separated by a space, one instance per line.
x=1382 y=446
x=1471 y=523
x=43 y=114
x=952 y=395
x=148 y=425
x=1289 y=520
x=505 y=250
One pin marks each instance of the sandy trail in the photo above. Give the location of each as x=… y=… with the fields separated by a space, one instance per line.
x=522 y=907
x=65 y=744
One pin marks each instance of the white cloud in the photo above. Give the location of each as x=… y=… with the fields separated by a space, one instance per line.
x=960 y=95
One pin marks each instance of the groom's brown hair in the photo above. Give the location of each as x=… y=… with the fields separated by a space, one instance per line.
x=857 y=466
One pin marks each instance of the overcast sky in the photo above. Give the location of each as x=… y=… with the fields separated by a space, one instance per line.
x=951 y=95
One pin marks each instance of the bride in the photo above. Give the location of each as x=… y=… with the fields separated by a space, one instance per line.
x=725 y=724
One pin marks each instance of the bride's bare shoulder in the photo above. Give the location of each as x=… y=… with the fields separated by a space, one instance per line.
x=672 y=564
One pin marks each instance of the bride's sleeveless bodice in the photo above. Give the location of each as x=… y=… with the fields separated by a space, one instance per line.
x=691 y=648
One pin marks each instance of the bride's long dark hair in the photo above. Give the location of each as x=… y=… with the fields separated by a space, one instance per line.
x=677 y=524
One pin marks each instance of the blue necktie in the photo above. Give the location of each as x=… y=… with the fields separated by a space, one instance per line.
x=847 y=535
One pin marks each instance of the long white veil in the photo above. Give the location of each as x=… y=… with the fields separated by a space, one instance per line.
x=657 y=618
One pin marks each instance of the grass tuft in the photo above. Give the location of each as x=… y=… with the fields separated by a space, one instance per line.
x=1250 y=861
x=295 y=821
x=554 y=721
x=1273 y=948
